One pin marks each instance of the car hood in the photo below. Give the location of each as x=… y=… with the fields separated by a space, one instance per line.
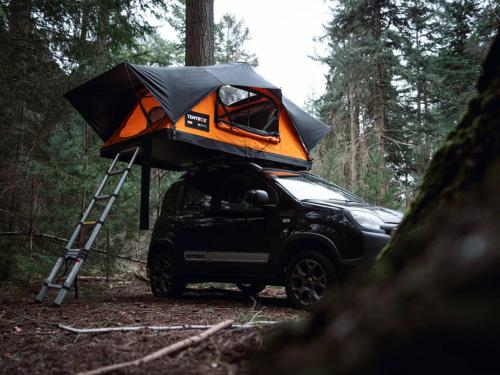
x=387 y=215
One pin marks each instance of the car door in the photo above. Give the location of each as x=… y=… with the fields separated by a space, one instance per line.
x=193 y=222
x=242 y=231
x=196 y=225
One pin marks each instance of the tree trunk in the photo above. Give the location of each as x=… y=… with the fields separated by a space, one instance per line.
x=354 y=135
x=378 y=90
x=102 y=32
x=199 y=32
x=431 y=303
x=20 y=18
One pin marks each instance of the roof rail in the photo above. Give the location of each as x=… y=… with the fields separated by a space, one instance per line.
x=220 y=161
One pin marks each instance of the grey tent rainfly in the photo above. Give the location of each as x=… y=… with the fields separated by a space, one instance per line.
x=196 y=113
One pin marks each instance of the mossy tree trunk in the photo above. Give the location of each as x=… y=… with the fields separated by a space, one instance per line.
x=432 y=304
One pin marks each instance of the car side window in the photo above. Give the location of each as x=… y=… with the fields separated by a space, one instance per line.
x=172 y=199
x=235 y=190
x=195 y=199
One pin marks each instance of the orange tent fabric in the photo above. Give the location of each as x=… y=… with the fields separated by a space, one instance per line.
x=287 y=144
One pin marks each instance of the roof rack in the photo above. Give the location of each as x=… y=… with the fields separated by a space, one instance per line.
x=221 y=161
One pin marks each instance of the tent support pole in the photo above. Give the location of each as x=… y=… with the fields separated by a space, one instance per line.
x=145 y=185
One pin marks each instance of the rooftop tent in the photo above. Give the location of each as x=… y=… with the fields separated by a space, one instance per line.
x=189 y=114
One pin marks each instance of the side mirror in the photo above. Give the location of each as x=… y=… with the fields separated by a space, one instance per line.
x=257 y=197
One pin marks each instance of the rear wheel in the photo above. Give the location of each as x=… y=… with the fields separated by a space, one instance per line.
x=251 y=289
x=164 y=278
x=308 y=276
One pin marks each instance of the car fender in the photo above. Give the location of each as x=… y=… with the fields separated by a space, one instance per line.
x=161 y=244
x=326 y=244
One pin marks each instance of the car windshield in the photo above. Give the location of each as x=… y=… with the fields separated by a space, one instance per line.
x=309 y=187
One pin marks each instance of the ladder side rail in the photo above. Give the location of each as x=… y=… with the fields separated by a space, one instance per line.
x=78 y=228
x=50 y=280
x=111 y=201
x=68 y=282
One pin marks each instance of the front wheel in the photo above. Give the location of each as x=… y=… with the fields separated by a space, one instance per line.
x=164 y=277
x=308 y=276
x=251 y=289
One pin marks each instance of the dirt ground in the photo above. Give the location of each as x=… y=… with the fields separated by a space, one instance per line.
x=31 y=342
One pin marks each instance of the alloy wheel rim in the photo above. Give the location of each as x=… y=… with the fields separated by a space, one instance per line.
x=162 y=276
x=308 y=281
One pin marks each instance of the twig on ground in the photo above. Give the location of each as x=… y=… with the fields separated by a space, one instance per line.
x=97 y=278
x=164 y=351
x=250 y=324
x=100 y=330
x=253 y=317
x=141 y=277
x=254 y=302
x=37 y=322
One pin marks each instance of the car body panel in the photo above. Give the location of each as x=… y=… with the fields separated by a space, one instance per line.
x=229 y=240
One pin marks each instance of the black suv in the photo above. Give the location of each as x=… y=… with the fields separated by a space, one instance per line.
x=254 y=226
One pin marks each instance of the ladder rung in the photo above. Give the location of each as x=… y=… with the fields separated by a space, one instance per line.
x=89 y=222
x=103 y=197
x=54 y=286
x=117 y=171
x=72 y=253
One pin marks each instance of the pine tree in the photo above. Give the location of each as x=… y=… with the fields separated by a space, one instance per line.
x=356 y=98
x=231 y=35
x=422 y=58
x=49 y=161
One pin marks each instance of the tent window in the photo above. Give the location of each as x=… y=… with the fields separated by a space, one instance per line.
x=156 y=114
x=247 y=110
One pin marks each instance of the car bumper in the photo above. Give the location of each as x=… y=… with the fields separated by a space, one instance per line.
x=373 y=243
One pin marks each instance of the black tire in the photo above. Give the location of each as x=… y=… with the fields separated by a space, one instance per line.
x=308 y=275
x=251 y=289
x=164 y=277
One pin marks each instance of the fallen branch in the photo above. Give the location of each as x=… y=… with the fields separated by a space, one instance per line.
x=98 y=278
x=141 y=278
x=160 y=353
x=157 y=328
x=100 y=330
x=37 y=322
x=64 y=240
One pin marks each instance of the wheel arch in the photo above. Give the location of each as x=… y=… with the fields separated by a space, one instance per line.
x=160 y=245
x=310 y=241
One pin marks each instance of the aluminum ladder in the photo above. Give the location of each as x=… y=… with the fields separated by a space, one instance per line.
x=75 y=255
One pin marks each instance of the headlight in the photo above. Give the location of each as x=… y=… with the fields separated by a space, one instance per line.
x=367 y=219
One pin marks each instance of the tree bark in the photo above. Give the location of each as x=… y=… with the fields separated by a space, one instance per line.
x=354 y=138
x=19 y=17
x=102 y=32
x=199 y=32
x=379 y=97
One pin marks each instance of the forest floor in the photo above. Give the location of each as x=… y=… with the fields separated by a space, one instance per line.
x=31 y=342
